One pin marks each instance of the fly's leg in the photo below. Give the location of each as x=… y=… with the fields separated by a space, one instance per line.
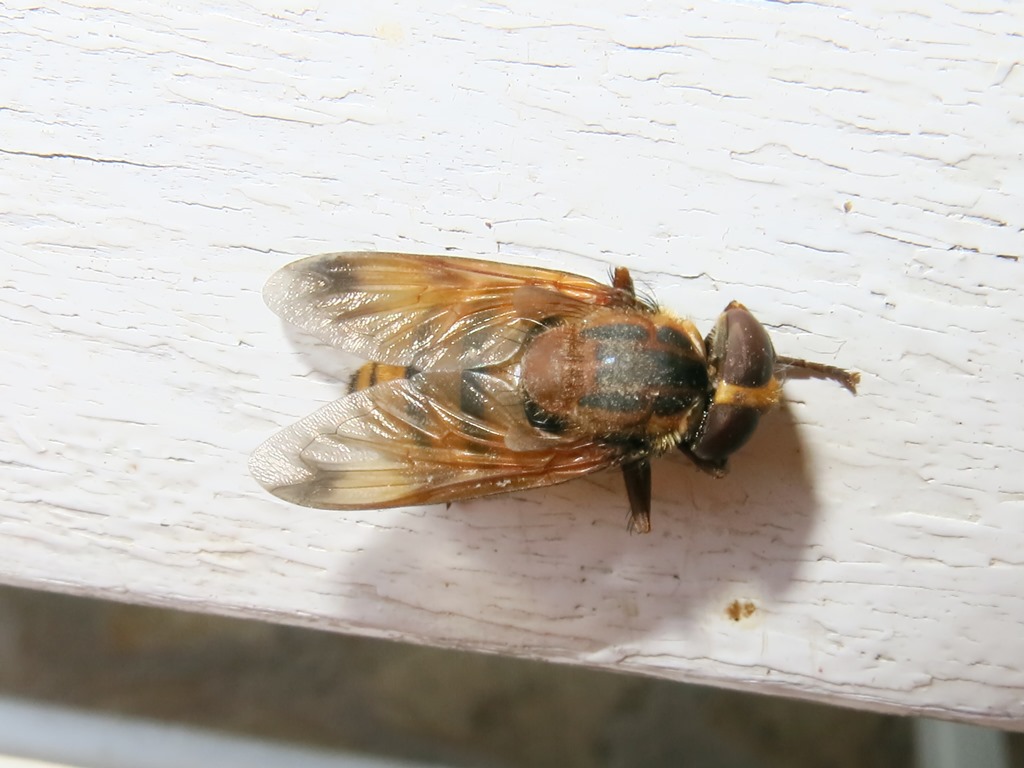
x=623 y=281
x=638 y=487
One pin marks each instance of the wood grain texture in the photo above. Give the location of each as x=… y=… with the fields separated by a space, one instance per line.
x=852 y=173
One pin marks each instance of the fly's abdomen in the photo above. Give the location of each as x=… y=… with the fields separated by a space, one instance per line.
x=372 y=373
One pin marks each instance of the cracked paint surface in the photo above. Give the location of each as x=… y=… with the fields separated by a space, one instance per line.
x=851 y=175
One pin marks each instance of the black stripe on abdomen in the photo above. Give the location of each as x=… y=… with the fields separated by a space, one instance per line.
x=618 y=402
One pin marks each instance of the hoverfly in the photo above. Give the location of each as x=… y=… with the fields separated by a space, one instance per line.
x=487 y=378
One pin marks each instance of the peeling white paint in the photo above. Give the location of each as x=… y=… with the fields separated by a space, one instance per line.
x=852 y=174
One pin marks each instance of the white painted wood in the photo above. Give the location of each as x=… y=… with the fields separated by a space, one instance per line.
x=851 y=172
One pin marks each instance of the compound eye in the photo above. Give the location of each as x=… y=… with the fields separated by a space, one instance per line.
x=743 y=360
x=725 y=429
x=742 y=351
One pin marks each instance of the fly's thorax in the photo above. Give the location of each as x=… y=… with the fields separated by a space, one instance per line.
x=551 y=374
x=618 y=374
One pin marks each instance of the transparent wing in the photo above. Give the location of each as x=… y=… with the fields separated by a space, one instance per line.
x=429 y=312
x=436 y=437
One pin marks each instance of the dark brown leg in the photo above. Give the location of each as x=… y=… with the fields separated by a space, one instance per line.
x=849 y=379
x=624 y=281
x=638 y=488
